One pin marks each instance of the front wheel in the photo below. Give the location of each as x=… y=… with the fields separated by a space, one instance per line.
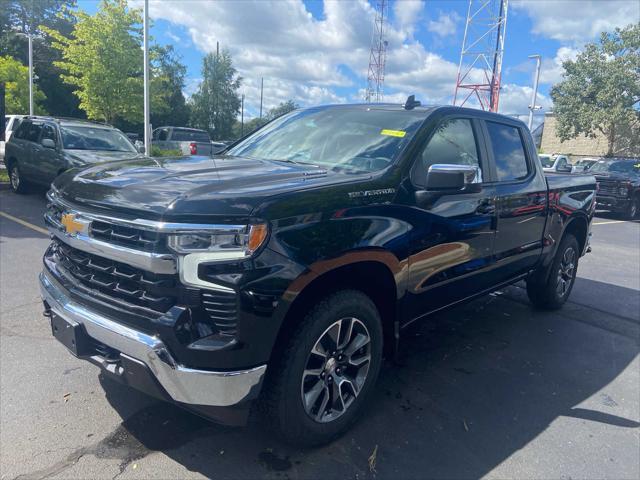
x=633 y=209
x=552 y=293
x=318 y=386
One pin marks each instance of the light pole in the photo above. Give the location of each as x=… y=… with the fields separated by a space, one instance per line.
x=30 y=39
x=145 y=42
x=534 y=95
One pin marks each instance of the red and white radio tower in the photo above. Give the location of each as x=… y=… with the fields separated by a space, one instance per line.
x=480 y=65
x=378 y=55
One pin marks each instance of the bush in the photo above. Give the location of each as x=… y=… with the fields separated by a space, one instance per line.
x=159 y=152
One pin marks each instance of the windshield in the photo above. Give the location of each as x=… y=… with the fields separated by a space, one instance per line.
x=92 y=138
x=351 y=139
x=616 y=167
x=546 y=160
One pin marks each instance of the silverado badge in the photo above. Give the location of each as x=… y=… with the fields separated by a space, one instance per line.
x=72 y=226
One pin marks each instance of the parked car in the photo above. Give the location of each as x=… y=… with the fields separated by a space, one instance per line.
x=283 y=271
x=583 y=165
x=555 y=163
x=618 y=185
x=11 y=122
x=189 y=141
x=42 y=148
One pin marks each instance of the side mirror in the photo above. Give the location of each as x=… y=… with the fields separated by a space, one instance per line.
x=48 y=143
x=139 y=146
x=463 y=178
x=564 y=169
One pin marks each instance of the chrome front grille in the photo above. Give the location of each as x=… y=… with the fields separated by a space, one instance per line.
x=222 y=310
x=146 y=240
x=117 y=280
x=608 y=189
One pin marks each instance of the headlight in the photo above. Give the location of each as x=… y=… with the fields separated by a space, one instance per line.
x=222 y=245
x=623 y=191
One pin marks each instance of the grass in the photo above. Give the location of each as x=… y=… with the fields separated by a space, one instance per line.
x=4 y=176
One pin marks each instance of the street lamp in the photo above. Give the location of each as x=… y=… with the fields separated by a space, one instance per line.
x=145 y=42
x=30 y=38
x=534 y=95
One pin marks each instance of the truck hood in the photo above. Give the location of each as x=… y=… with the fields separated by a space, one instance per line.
x=616 y=177
x=190 y=186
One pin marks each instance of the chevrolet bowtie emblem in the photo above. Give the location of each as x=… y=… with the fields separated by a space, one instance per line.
x=71 y=225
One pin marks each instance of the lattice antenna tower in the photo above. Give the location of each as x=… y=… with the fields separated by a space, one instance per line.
x=378 y=55
x=480 y=66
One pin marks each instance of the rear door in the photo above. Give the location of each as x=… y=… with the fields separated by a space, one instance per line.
x=25 y=143
x=453 y=233
x=521 y=191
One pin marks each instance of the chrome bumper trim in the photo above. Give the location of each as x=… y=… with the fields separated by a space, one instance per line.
x=185 y=385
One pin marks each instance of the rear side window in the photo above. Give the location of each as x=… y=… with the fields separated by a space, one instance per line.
x=189 y=136
x=508 y=152
x=21 y=130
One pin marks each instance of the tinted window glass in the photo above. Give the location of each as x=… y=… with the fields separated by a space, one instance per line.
x=162 y=135
x=32 y=131
x=49 y=132
x=508 y=151
x=21 y=130
x=187 y=136
x=453 y=143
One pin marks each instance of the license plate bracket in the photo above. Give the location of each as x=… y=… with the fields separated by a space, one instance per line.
x=72 y=335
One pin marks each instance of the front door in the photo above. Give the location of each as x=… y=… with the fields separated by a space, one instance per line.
x=453 y=233
x=48 y=160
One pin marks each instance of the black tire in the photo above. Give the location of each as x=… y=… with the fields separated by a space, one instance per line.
x=554 y=291
x=16 y=180
x=633 y=209
x=282 y=403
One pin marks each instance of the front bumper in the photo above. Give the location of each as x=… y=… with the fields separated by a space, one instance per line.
x=612 y=203
x=183 y=385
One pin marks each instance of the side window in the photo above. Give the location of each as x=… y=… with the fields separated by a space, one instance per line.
x=49 y=132
x=22 y=130
x=508 y=152
x=162 y=136
x=454 y=142
x=32 y=134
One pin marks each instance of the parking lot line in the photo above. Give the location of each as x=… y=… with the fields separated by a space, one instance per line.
x=24 y=223
x=614 y=221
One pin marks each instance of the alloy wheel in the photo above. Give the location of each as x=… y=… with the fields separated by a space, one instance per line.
x=15 y=178
x=566 y=272
x=336 y=370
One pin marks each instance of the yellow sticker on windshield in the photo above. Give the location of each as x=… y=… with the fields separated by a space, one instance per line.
x=393 y=133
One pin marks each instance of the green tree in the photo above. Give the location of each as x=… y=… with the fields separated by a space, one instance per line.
x=102 y=60
x=15 y=76
x=169 y=106
x=601 y=88
x=216 y=103
x=284 y=107
x=19 y=17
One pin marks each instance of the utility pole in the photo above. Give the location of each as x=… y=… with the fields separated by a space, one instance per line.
x=261 y=92
x=242 y=116
x=534 y=94
x=145 y=41
x=30 y=37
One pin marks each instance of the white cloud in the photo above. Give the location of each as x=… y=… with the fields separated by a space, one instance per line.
x=515 y=99
x=445 y=24
x=551 y=70
x=578 y=21
x=407 y=14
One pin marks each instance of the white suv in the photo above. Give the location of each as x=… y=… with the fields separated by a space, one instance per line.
x=11 y=122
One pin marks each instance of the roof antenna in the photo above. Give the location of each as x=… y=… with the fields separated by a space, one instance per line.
x=411 y=103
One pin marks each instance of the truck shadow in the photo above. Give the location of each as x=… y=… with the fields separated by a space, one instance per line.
x=473 y=386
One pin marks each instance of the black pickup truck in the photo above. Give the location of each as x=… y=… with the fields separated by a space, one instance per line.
x=618 y=182
x=279 y=273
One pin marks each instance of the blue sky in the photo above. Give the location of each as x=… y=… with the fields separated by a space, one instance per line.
x=315 y=51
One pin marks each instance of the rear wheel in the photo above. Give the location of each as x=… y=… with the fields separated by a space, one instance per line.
x=553 y=292
x=318 y=386
x=17 y=182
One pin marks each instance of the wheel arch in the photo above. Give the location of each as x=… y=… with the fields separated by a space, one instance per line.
x=577 y=226
x=373 y=278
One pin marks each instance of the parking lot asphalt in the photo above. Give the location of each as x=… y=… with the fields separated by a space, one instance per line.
x=490 y=389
